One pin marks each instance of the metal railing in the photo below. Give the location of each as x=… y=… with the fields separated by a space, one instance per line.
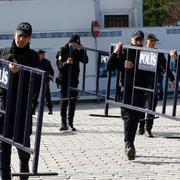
x=96 y=93
x=10 y=133
x=111 y=100
x=114 y=100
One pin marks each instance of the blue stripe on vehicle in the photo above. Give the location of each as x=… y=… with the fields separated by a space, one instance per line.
x=64 y=35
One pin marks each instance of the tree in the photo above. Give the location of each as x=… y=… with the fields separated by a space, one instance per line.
x=173 y=15
x=161 y=12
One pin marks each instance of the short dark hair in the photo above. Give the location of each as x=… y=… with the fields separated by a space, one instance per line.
x=74 y=38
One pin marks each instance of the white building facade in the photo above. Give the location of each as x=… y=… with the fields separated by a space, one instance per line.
x=54 y=22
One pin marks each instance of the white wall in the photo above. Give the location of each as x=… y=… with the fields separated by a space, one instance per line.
x=116 y=4
x=47 y=14
x=62 y=14
x=52 y=45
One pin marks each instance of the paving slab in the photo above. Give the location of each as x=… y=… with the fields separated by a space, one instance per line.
x=96 y=150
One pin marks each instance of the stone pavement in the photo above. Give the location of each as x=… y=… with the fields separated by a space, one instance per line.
x=96 y=150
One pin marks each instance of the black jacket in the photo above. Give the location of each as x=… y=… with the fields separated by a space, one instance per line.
x=46 y=66
x=77 y=56
x=27 y=57
x=143 y=78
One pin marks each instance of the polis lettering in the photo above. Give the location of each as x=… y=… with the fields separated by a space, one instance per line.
x=148 y=61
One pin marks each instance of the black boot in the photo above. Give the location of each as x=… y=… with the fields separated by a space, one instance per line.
x=70 y=121
x=141 y=127
x=64 y=124
x=130 y=151
x=50 y=110
x=149 y=133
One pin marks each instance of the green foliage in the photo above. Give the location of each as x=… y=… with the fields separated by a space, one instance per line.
x=156 y=12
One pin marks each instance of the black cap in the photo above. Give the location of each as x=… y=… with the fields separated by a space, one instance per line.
x=41 y=51
x=74 y=38
x=152 y=36
x=137 y=34
x=24 y=28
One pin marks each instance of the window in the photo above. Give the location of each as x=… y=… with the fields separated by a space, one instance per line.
x=116 y=21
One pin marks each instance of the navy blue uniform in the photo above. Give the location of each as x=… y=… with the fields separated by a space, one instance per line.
x=27 y=57
x=62 y=56
x=46 y=66
x=142 y=79
x=148 y=123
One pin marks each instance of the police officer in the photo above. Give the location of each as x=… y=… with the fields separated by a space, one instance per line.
x=46 y=66
x=147 y=124
x=125 y=62
x=68 y=59
x=20 y=53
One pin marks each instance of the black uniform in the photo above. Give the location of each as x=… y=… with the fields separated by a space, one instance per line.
x=62 y=56
x=46 y=66
x=28 y=57
x=148 y=123
x=142 y=79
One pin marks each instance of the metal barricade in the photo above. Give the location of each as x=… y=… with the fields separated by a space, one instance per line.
x=96 y=93
x=11 y=136
x=113 y=100
x=98 y=56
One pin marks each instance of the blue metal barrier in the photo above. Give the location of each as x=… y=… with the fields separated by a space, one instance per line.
x=6 y=84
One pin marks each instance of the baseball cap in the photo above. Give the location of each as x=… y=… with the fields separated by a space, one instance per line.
x=41 y=51
x=24 y=28
x=137 y=34
x=152 y=36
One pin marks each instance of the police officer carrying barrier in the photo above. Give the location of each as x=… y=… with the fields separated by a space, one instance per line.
x=20 y=53
x=125 y=62
x=147 y=124
x=45 y=65
x=69 y=55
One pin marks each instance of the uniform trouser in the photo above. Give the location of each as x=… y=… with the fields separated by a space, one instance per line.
x=48 y=97
x=5 y=160
x=149 y=120
x=131 y=118
x=68 y=105
x=5 y=149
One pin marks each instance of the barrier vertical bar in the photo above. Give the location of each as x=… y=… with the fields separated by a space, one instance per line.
x=117 y=86
x=84 y=72
x=97 y=75
x=107 y=93
x=69 y=76
x=8 y=106
x=39 y=124
x=166 y=86
x=176 y=86
x=134 y=78
x=18 y=105
x=125 y=75
x=106 y=110
x=155 y=87
x=29 y=110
